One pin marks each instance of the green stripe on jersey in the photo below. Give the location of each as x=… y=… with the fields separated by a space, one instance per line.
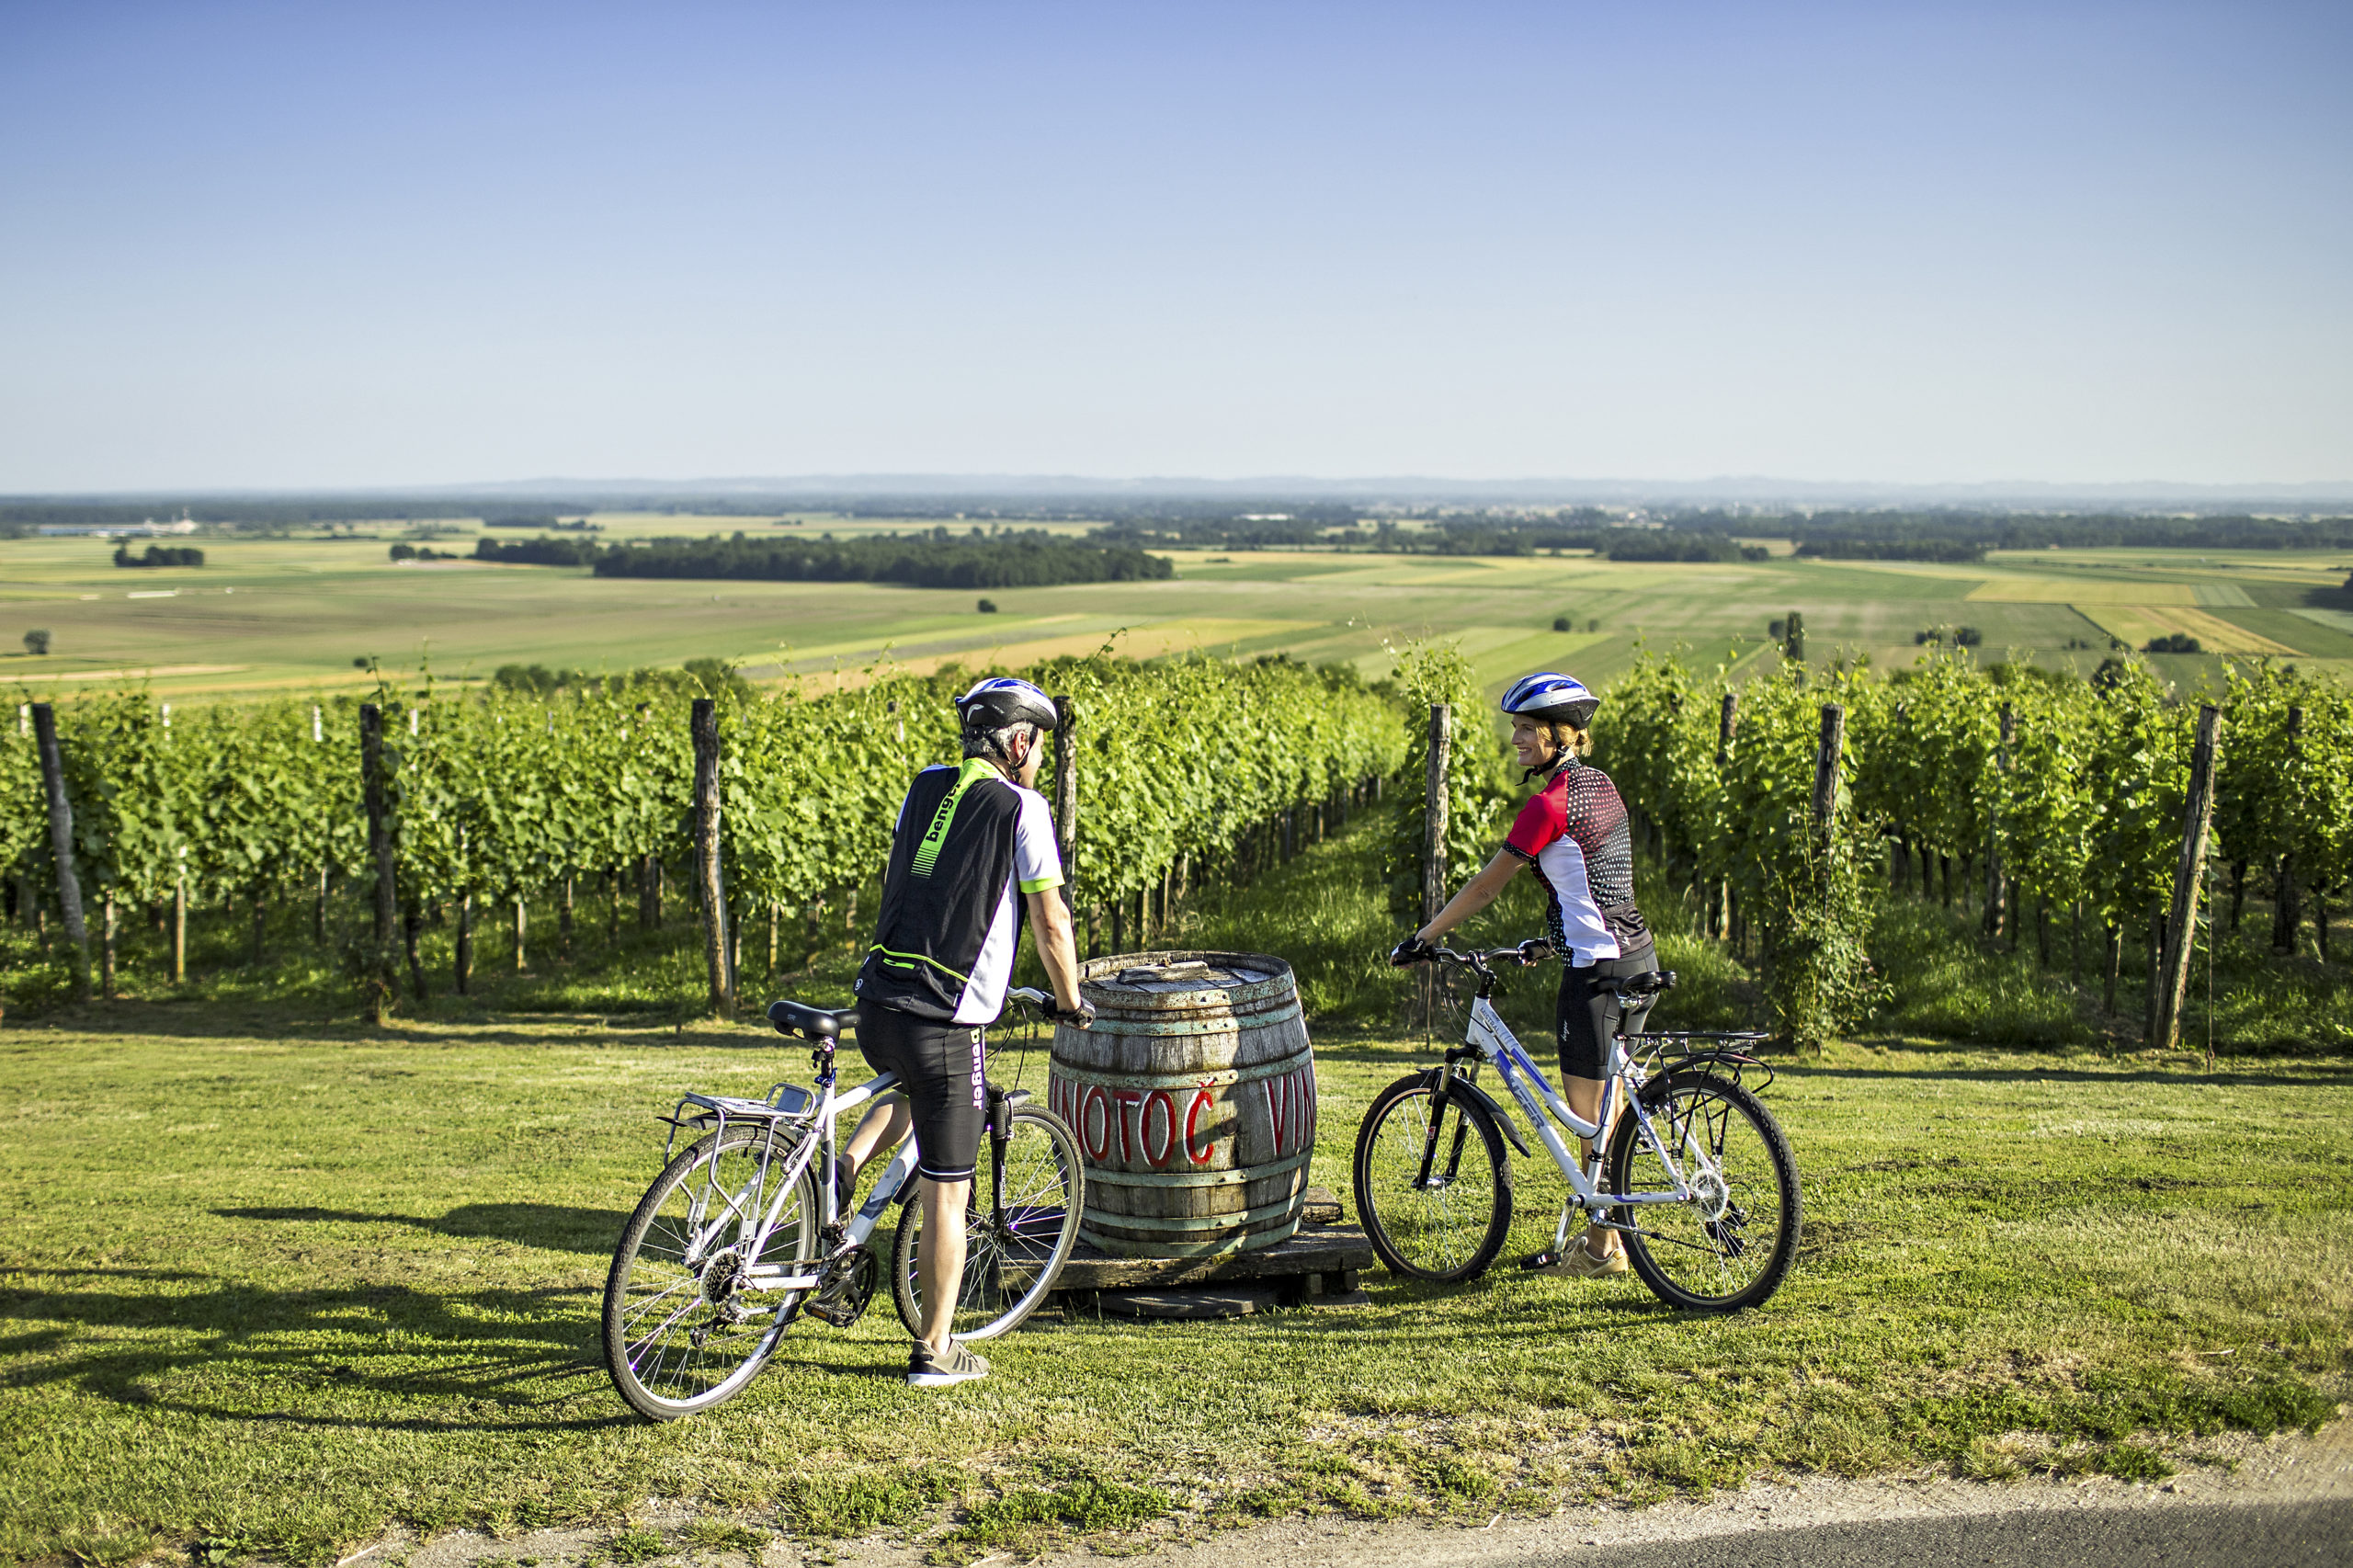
x=927 y=852
x=908 y=960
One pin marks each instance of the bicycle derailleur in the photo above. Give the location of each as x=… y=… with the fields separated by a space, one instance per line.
x=845 y=1289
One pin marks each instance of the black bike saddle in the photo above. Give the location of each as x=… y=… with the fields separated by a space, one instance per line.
x=810 y=1023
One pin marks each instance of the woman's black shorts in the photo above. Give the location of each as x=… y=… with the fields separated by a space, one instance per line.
x=1587 y=1016
x=943 y=1070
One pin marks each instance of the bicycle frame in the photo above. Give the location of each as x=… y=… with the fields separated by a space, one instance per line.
x=1489 y=1039
x=753 y=1234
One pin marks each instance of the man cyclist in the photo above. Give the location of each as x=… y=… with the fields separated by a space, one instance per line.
x=973 y=848
x=1574 y=833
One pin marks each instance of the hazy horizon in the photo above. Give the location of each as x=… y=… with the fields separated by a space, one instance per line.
x=269 y=247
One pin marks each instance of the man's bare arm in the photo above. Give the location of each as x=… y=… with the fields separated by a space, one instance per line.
x=1049 y=920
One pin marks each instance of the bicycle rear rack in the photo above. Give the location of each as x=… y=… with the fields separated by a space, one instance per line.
x=714 y=1113
x=1711 y=1052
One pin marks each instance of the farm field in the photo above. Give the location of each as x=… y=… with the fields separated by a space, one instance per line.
x=274 y=1284
x=292 y=615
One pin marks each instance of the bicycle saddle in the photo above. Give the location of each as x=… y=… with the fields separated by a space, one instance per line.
x=810 y=1023
x=1639 y=986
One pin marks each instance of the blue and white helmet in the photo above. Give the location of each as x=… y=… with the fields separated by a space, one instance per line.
x=1000 y=700
x=1549 y=696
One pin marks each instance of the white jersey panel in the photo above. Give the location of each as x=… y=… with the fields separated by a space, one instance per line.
x=1037 y=866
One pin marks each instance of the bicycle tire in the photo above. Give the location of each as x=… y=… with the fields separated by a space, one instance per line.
x=1429 y=1233
x=653 y=1374
x=1041 y=1179
x=1677 y=1249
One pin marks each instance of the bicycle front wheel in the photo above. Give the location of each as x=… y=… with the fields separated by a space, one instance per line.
x=1729 y=1246
x=685 y=1324
x=1434 y=1187
x=1020 y=1224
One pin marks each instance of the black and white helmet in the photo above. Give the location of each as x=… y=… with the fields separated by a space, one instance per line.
x=1549 y=696
x=1005 y=699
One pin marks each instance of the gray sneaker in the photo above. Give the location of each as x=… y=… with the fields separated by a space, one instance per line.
x=929 y=1369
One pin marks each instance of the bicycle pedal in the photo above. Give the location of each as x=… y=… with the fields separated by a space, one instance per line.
x=1540 y=1260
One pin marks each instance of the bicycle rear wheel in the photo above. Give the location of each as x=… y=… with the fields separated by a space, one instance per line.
x=1450 y=1225
x=684 y=1329
x=1019 y=1228
x=1732 y=1244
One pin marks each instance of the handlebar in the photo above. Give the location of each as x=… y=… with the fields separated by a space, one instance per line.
x=1536 y=949
x=1081 y=1015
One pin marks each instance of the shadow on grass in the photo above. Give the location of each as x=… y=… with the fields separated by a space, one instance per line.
x=378 y=1357
x=556 y=1227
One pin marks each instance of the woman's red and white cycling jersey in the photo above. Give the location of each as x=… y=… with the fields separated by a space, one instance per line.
x=1574 y=831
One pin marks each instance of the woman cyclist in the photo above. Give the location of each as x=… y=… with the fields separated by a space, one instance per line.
x=1573 y=832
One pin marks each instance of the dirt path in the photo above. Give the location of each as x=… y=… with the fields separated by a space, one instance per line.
x=2288 y=1499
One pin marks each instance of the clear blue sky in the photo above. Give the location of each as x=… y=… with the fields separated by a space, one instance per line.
x=351 y=244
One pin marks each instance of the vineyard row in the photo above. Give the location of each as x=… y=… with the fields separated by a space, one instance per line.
x=1174 y=768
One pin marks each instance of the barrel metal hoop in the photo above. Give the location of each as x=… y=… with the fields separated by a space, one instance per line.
x=1097 y=1176
x=1175 y=1081
x=1180 y=1226
x=1222 y=1021
x=1119 y=1247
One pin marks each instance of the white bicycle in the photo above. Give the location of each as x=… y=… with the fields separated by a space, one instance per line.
x=741 y=1232
x=1701 y=1181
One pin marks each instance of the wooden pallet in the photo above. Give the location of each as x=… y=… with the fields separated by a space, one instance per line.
x=1320 y=1262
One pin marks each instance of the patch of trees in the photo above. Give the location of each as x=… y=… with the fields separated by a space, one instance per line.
x=1892 y=550
x=2172 y=643
x=538 y=552
x=700 y=677
x=1877 y=535
x=424 y=552
x=160 y=555
x=939 y=560
x=542 y=521
x=1661 y=544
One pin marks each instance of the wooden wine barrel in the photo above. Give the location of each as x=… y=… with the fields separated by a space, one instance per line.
x=1193 y=1097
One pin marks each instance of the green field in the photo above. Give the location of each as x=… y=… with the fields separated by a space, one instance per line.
x=292 y=615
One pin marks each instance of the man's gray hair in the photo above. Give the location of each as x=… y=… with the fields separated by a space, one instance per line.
x=997 y=744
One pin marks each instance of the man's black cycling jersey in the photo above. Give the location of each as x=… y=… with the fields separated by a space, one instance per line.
x=969 y=842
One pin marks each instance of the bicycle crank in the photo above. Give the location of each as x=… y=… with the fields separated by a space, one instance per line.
x=846 y=1290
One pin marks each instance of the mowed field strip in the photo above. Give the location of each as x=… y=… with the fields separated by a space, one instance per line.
x=2136 y=624
x=292 y=615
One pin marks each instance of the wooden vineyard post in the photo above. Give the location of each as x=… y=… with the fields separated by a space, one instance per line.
x=704 y=724
x=380 y=856
x=60 y=844
x=1996 y=880
x=2287 y=915
x=1719 y=895
x=2188 y=876
x=1827 y=759
x=179 y=919
x=1434 y=845
x=1066 y=796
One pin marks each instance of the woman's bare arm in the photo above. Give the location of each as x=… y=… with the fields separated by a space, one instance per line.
x=1476 y=894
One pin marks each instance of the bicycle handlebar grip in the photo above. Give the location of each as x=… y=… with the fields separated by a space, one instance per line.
x=1411 y=951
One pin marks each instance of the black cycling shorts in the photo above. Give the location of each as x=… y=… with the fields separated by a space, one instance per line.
x=943 y=1070
x=1587 y=1016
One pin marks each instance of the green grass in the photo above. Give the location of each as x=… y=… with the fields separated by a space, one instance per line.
x=273 y=1286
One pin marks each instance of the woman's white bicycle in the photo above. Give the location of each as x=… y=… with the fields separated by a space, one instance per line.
x=1701 y=1181
x=741 y=1232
